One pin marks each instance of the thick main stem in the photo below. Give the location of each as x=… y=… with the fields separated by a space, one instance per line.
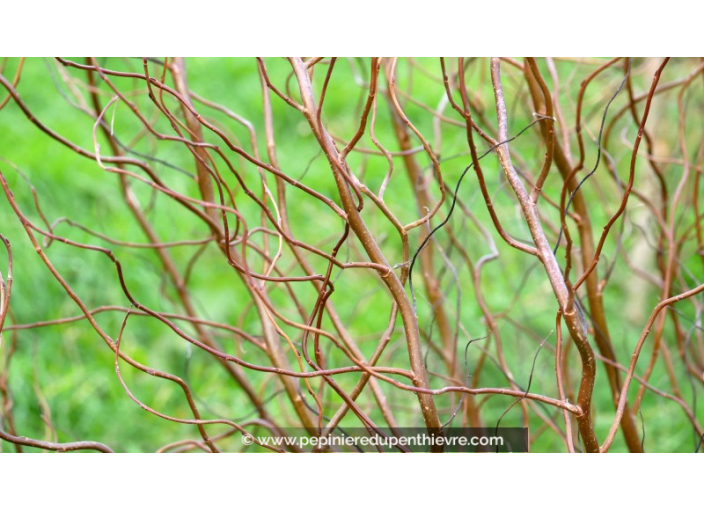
x=371 y=247
x=602 y=337
x=574 y=317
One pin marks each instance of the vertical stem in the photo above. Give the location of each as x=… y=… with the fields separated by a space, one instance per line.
x=602 y=337
x=574 y=318
x=354 y=218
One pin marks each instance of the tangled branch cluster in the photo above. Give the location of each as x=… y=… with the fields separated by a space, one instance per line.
x=376 y=243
